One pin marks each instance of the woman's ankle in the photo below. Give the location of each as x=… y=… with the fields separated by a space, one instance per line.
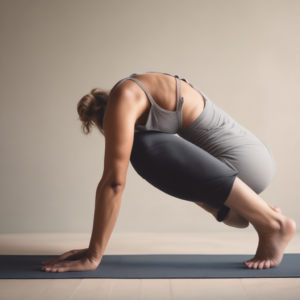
x=275 y=223
x=250 y=206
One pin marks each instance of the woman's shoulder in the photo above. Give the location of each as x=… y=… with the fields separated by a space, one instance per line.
x=125 y=83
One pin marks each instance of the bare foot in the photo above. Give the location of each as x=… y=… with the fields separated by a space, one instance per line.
x=271 y=245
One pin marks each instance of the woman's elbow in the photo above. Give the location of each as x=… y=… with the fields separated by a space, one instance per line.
x=115 y=185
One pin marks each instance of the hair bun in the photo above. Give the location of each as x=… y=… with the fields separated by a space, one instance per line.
x=91 y=109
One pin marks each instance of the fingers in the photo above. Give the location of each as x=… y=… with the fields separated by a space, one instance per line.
x=59 y=258
x=70 y=266
x=53 y=260
x=49 y=261
x=73 y=254
x=57 y=268
x=46 y=261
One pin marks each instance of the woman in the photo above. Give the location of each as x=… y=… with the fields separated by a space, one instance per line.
x=213 y=162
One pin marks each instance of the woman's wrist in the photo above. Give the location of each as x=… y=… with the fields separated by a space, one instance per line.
x=94 y=256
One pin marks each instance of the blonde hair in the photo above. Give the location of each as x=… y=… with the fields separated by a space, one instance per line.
x=91 y=109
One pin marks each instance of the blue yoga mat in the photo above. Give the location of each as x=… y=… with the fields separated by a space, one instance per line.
x=153 y=266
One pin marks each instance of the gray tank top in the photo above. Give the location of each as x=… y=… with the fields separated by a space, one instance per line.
x=160 y=119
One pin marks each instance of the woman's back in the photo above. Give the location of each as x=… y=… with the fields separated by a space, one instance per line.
x=161 y=94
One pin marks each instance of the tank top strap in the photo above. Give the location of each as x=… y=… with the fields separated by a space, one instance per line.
x=178 y=92
x=142 y=86
x=180 y=101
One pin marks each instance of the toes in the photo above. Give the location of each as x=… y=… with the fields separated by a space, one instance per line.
x=261 y=264
x=250 y=264
x=255 y=264
x=250 y=260
x=267 y=264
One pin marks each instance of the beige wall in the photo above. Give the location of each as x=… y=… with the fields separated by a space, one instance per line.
x=243 y=54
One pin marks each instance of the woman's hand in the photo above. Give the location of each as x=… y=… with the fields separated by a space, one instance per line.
x=74 y=260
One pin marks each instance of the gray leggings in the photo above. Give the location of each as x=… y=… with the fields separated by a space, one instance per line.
x=201 y=164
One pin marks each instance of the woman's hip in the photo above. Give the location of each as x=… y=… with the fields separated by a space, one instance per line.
x=255 y=165
x=168 y=159
x=181 y=169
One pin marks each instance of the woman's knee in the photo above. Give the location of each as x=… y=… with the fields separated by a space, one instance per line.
x=254 y=165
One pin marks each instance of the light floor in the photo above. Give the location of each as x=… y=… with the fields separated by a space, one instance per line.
x=236 y=242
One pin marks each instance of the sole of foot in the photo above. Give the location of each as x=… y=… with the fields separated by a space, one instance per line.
x=271 y=245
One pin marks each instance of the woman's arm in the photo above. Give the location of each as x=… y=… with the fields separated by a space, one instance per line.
x=121 y=114
x=118 y=124
x=107 y=207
